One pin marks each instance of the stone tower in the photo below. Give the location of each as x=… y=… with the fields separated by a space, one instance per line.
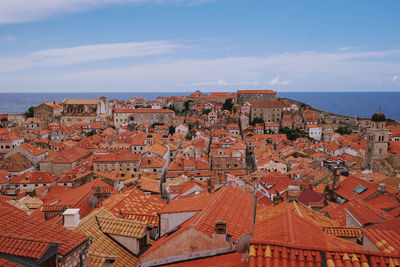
x=377 y=139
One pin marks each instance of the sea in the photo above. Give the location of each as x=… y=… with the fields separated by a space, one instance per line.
x=361 y=104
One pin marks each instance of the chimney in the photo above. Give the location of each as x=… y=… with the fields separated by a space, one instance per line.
x=336 y=178
x=382 y=188
x=71 y=218
x=220 y=227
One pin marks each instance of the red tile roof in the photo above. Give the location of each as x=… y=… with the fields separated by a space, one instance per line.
x=387 y=241
x=225 y=260
x=35 y=178
x=117 y=157
x=135 y=205
x=143 y=110
x=23 y=247
x=256 y=92
x=195 y=203
x=14 y=222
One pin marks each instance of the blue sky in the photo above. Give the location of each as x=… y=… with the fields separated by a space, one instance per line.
x=184 y=45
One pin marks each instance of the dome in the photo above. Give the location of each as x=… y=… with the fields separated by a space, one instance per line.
x=378 y=117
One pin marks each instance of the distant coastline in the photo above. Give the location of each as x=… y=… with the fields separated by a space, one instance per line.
x=361 y=104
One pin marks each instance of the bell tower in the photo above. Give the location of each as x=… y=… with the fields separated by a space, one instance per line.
x=377 y=139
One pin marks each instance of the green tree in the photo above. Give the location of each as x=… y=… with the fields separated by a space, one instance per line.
x=206 y=111
x=29 y=113
x=171 y=129
x=171 y=107
x=228 y=104
x=93 y=132
x=256 y=120
x=235 y=109
x=343 y=130
x=156 y=124
x=292 y=134
x=187 y=105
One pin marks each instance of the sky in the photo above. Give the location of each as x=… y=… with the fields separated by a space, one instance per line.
x=211 y=45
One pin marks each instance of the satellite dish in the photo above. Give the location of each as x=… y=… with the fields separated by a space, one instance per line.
x=92 y=201
x=243 y=243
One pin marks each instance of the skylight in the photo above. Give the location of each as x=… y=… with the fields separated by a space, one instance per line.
x=360 y=189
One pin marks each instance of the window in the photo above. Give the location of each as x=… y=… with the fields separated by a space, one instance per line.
x=359 y=189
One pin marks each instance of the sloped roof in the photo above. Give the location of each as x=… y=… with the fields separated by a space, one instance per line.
x=15 y=163
x=135 y=205
x=224 y=260
x=115 y=226
x=103 y=245
x=229 y=204
x=14 y=221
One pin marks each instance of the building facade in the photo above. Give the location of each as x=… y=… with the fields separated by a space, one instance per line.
x=269 y=111
x=377 y=139
x=244 y=96
x=83 y=110
x=141 y=115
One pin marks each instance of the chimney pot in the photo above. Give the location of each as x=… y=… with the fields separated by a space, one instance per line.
x=220 y=227
x=71 y=218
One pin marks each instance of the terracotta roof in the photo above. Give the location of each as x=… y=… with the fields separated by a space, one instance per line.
x=150 y=185
x=14 y=221
x=121 y=227
x=224 y=260
x=267 y=104
x=340 y=231
x=195 y=203
x=309 y=195
x=267 y=254
x=23 y=247
x=103 y=245
x=256 y=92
x=387 y=241
x=229 y=204
x=69 y=155
x=32 y=150
x=73 y=198
x=82 y=101
x=152 y=162
x=15 y=163
x=6 y=263
x=350 y=183
x=117 y=157
x=364 y=213
x=157 y=148
x=35 y=178
x=135 y=205
x=143 y=110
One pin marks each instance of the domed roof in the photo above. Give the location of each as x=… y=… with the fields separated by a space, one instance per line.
x=378 y=116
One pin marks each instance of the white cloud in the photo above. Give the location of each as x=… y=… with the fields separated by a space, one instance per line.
x=277 y=81
x=8 y=38
x=395 y=78
x=83 y=54
x=16 y=11
x=311 y=70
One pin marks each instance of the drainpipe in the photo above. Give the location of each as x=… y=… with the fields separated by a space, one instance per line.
x=85 y=250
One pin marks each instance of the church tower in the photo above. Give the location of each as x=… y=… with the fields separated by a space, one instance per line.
x=377 y=139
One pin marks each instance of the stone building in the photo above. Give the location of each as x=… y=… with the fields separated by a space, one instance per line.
x=83 y=110
x=125 y=161
x=377 y=139
x=244 y=96
x=140 y=115
x=270 y=111
x=48 y=112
